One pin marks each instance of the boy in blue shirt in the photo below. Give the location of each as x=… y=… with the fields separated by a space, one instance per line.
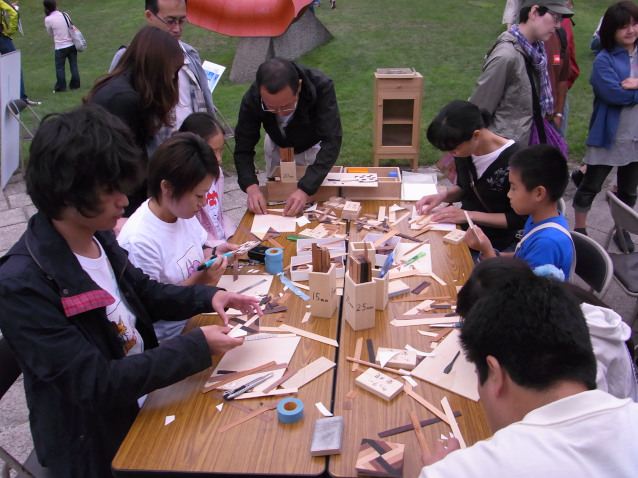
x=538 y=177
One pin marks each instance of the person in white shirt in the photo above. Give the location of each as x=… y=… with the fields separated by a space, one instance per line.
x=57 y=26
x=219 y=227
x=536 y=371
x=163 y=237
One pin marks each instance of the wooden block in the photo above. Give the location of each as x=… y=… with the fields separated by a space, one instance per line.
x=405 y=359
x=288 y=172
x=454 y=237
x=358 y=304
x=379 y=384
x=380 y=458
x=327 y=436
x=351 y=210
x=357 y=353
x=309 y=373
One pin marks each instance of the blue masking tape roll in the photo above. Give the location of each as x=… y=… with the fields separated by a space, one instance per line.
x=290 y=410
x=274 y=260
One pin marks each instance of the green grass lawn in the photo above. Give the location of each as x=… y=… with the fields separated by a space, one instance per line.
x=444 y=41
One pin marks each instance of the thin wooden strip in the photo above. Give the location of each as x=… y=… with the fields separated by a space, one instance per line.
x=421 y=287
x=409 y=323
x=275 y=384
x=420 y=299
x=284 y=298
x=237 y=375
x=248 y=233
x=378 y=367
x=385 y=237
x=419 y=433
x=406 y=428
x=260 y=410
x=399 y=220
x=407 y=388
x=275 y=310
x=436 y=278
x=239 y=406
x=309 y=335
x=357 y=353
x=452 y=422
x=300 y=286
x=275 y=243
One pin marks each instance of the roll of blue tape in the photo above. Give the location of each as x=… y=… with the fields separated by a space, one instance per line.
x=290 y=410
x=393 y=174
x=274 y=260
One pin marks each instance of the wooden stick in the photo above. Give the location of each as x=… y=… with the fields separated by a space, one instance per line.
x=420 y=299
x=401 y=219
x=309 y=335
x=275 y=384
x=260 y=410
x=357 y=353
x=407 y=388
x=419 y=433
x=378 y=367
x=452 y=422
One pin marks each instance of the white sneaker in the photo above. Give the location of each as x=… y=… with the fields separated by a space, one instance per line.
x=32 y=103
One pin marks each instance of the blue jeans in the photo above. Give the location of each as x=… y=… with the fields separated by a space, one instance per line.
x=6 y=46
x=60 y=59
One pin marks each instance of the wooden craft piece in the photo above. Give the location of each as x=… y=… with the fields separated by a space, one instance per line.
x=379 y=384
x=436 y=278
x=357 y=353
x=273 y=393
x=381 y=216
x=263 y=222
x=309 y=335
x=351 y=210
x=405 y=359
x=400 y=219
x=359 y=304
x=352 y=394
x=397 y=287
x=380 y=458
x=461 y=380
x=407 y=388
x=419 y=433
x=411 y=322
x=406 y=428
x=347 y=405
x=309 y=373
x=327 y=436
x=421 y=287
x=454 y=237
x=370 y=347
x=378 y=367
x=260 y=410
x=452 y=421
x=323 y=292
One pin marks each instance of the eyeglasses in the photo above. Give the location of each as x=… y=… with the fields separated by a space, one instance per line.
x=172 y=21
x=287 y=108
x=558 y=18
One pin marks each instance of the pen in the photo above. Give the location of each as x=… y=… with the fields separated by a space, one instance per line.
x=414 y=258
x=230 y=394
x=209 y=262
x=455 y=325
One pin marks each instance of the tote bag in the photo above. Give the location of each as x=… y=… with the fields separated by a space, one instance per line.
x=76 y=34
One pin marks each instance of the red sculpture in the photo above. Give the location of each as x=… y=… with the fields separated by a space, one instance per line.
x=246 y=18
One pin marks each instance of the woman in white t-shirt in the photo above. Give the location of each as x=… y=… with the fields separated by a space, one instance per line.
x=163 y=237
x=57 y=26
x=218 y=225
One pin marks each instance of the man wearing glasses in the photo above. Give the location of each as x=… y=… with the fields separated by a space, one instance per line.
x=194 y=96
x=504 y=88
x=297 y=107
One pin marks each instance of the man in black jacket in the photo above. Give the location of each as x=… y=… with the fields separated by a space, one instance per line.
x=297 y=107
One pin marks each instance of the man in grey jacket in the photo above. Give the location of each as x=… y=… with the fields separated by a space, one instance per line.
x=194 y=95
x=504 y=87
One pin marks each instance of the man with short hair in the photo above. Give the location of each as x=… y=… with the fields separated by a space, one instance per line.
x=194 y=95
x=504 y=87
x=297 y=107
x=537 y=377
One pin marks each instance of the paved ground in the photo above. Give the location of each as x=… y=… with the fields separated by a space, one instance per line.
x=16 y=208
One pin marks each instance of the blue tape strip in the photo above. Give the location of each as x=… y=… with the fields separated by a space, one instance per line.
x=287 y=282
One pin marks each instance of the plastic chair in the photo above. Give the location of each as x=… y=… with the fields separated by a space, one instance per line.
x=561 y=206
x=593 y=264
x=9 y=373
x=625 y=263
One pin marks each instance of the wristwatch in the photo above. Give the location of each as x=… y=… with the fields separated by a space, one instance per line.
x=558 y=115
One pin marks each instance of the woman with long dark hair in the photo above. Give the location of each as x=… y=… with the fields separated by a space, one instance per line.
x=142 y=90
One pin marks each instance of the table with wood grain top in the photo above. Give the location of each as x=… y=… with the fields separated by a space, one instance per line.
x=192 y=444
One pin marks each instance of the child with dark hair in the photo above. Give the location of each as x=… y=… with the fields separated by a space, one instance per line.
x=536 y=375
x=163 y=237
x=608 y=333
x=482 y=162
x=538 y=177
x=77 y=314
x=219 y=226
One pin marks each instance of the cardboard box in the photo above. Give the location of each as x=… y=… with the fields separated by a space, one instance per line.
x=278 y=190
x=389 y=188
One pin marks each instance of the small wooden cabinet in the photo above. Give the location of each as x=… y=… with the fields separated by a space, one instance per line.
x=397 y=115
